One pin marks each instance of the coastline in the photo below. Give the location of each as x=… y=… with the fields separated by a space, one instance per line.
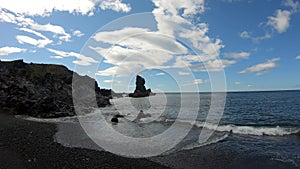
x=28 y=144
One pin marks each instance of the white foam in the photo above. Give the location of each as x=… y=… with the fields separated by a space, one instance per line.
x=213 y=141
x=244 y=130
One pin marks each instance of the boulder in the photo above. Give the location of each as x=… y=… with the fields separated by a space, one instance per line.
x=114 y=120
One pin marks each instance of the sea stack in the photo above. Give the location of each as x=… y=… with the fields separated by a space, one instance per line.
x=140 y=89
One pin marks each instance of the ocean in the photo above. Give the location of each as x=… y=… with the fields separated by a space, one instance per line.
x=187 y=130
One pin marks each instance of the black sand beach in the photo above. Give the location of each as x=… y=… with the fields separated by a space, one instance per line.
x=27 y=144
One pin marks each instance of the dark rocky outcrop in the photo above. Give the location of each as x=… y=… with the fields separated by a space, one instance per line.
x=114 y=120
x=41 y=90
x=140 y=89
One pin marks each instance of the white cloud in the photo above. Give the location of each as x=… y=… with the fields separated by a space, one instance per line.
x=10 y=17
x=121 y=70
x=160 y=74
x=40 y=43
x=116 y=5
x=251 y=86
x=280 y=21
x=26 y=23
x=298 y=57
x=183 y=73
x=136 y=48
x=118 y=55
x=294 y=5
x=245 y=35
x=52 y=28
x=237 y=83
x=212 y=65
x=172 y=15
x=197 y=34
x=9 y=50
x=239 y=55
x=141 y=39
x=231 y=1
x=167 y=15
x=112 y=81
x=195 y=82
x=82 y=60
x=112 y=37
x=198 y=81
x=216 y=65
x=181 y=62
x=78 y=33
x=33 y=32
x=261 y=68
x=46 y=7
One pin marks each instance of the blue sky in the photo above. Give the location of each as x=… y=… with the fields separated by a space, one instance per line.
x=177 y=45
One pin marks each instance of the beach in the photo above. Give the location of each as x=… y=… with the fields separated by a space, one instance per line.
x=28 y=144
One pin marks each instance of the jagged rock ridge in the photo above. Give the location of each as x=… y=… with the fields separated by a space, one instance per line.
x=41 y=90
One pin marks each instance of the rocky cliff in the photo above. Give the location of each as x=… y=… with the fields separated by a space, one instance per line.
x=41 y=90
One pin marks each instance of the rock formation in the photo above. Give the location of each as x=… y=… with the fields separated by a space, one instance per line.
x=41 y=90
x=140 y=89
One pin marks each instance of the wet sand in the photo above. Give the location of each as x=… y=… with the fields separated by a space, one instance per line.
x=27 y=144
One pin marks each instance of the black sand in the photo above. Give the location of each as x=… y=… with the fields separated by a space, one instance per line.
x=26 y=144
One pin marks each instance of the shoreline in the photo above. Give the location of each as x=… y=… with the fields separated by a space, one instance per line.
x=28 y=144
x=35 y=144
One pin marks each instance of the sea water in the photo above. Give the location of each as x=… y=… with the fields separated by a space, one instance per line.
x=252 y=125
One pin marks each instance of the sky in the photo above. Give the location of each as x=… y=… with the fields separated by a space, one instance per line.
x=176 y=45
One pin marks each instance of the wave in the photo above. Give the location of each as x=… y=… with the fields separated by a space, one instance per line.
x=229 y=128
x=50 y=120
x=244 y=130
x=212 y=141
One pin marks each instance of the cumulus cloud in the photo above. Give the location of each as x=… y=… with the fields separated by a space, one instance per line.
x=136 y=48
x=16 y=12
x=293 y=5
x=81 y=59
x=46 y=7
x=256 y=39
x=116 y=5
x=261 y=69
x=6 y=50
x=298 y=57
x=245 y=35
x=281 y=20
x=78 y=33
x=239 y=55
